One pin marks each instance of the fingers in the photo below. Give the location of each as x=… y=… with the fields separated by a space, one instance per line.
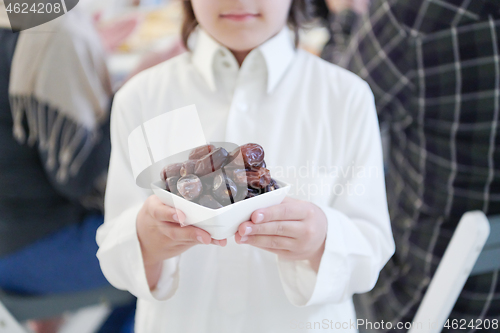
x=162 y=212
x=184 y=234
x=172 y=225
x=267 y=242
x=274 y=246
x=289 y=210
x=189 y=234
x=292 y=229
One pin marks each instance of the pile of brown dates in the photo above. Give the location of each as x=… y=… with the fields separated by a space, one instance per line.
x=214 y=178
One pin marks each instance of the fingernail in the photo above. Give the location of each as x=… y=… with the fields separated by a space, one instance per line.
x=200 y=239
x=175 y=218
x=259 y=218
x=216 y=242
x=248 y=230
x=243 y=239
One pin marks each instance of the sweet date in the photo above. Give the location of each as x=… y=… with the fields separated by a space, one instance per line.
x=253 y=154
x=208 y=183
x=224 y=189
x=239 y=176
x=235 y=158
x=171 y=170
x=190 y=187
x=258 y=177
x=201 y=151
x=242 y=193
x=273 y=185
x=187 y=167
x=214 y=178
x=253 y=192
x=208 y=201
x=211 y=162
x=171 y=184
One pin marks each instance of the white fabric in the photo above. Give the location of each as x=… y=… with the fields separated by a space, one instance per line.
x=316 y=123
x=4 y=18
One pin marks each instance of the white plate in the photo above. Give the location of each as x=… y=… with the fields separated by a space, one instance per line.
x=223 y=222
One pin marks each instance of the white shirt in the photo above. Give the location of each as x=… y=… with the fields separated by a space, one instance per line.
x=318 y=126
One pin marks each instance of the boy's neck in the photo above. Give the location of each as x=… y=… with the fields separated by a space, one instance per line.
x=240 y=56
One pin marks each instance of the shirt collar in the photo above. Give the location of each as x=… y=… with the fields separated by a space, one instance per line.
x=278 y=53
x=203 y=56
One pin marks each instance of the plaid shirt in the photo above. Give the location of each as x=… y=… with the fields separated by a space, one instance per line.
x=340 y=26
x=434 y=68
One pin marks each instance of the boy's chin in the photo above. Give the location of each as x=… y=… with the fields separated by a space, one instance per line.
x=242 y=43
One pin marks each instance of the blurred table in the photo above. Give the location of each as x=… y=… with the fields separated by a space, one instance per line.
x=158 y=28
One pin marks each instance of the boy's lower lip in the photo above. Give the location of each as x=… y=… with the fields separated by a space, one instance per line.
x=239 y=17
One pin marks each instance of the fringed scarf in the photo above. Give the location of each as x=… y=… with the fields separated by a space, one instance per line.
x=62 y=107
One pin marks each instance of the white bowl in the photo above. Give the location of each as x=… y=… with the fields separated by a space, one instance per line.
x=223 y=222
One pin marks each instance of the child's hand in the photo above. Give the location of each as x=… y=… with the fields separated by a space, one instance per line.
x=162 y=237
x=294 y=230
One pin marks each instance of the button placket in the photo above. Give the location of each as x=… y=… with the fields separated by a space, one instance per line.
x=241 y=96
x=226 y=61
x=240 y=99
x=248 y=92
x=226 y=73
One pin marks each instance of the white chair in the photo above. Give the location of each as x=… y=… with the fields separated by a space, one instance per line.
x=8 y=324
x=474 y=249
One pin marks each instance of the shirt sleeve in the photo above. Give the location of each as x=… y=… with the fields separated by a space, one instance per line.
x=359 y=239
x=119 y=251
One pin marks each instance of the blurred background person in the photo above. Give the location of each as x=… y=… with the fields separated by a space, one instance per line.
x=55 y=97
x=341 y=18
x=434 y=69
x=156 y=36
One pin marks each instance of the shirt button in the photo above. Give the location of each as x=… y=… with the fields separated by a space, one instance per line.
x=226 y=64
x=221 y=53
